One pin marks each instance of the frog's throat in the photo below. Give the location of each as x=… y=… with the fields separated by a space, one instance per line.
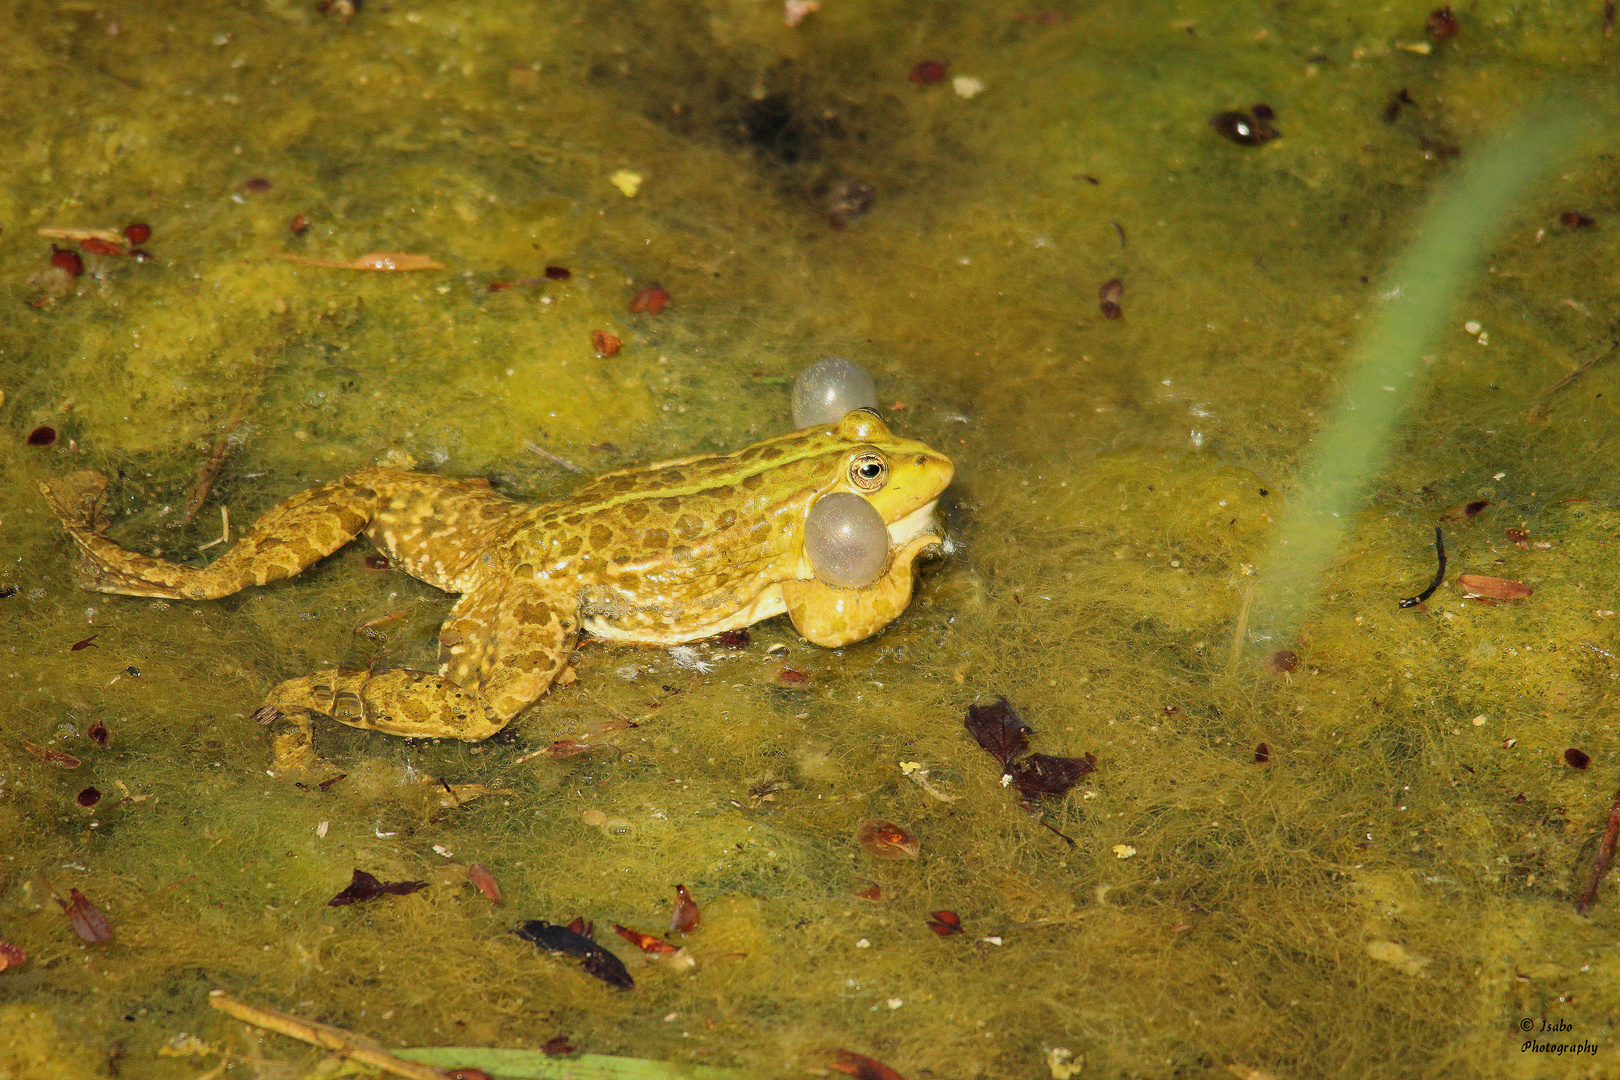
x=914 y=524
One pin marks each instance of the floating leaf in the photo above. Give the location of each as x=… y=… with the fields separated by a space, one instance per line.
x=593 y=958
x=886 y=840
x=363 y=887
x=686 y=916
x=647 y=943
x=89 y=921
x=1493 y=588
x=862 y=1067
x=1042 y=774
x=58 y=758
x=999 y=730
x=485 y=881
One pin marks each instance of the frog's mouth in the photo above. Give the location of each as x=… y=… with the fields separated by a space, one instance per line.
x=914 y=524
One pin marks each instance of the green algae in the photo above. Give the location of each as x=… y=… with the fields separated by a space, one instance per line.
x=1390 y=895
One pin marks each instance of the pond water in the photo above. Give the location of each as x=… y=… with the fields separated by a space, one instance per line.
x=1389 y=893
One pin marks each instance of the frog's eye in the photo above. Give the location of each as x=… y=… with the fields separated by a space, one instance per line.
x=868 y=471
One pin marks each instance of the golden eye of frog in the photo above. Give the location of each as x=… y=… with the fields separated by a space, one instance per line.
x=660 y=554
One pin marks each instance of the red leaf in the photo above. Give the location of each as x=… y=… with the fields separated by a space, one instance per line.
x=485 y=881
x=52 y=757
x=886 y=840
x=647 y=943
x=862 y=1067
x=652 y=301
x=89 y=921
x=684 y=919
x=945 y=923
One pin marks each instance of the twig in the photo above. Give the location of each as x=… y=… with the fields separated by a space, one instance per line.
x=225 y=529
x=207 y=475
x=1605 y=853
x=1585 y=366
x=536 y=448
x=351 y=1045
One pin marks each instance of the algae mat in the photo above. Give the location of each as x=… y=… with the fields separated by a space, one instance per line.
x=943 y=192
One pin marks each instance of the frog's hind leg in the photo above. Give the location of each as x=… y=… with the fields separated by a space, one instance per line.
x=500 y=649
x=297 y=533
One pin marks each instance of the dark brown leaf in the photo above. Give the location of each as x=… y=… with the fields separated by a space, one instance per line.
x=945 y=923
x=363 y=887
x=593 y=958
x=999 y=730
x=1577 y=759
x=1042 y=774
x=557 y=1046
x=100 y=735
x=1262 y=753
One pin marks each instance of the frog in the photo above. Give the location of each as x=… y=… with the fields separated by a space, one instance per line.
x=656 y=555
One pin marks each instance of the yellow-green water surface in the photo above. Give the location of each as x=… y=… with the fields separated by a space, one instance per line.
x=1391 y=894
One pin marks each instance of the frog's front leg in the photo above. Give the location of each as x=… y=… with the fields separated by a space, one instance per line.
x=830 y=616
x=499 y=650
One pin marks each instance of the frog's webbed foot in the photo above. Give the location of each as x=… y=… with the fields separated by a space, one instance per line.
x=501 y=647
x=830 y=616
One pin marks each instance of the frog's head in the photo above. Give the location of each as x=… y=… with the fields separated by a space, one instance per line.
x=901 y=478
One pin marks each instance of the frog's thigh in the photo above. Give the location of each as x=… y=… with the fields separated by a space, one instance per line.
x=830 y=616
x=509 y=641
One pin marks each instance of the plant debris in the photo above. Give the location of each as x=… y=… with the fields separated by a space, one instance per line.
x=59 y=758
x=886 y=840
x=89 y=921
x=363 y=887
x=1492 y=588
x=1040 y=775
x=604 y=343
x=647 y=943
x=862 y=1067
x=686 y=916
x=1605 y=854
x=593 y=958
x=11 y=956
x=999 y=730
x=485 y=881
x=945 y=923
x=375 y=260
x=1002 y=734
x=1439 y=575
x=652 y=301
x=1576 y=758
